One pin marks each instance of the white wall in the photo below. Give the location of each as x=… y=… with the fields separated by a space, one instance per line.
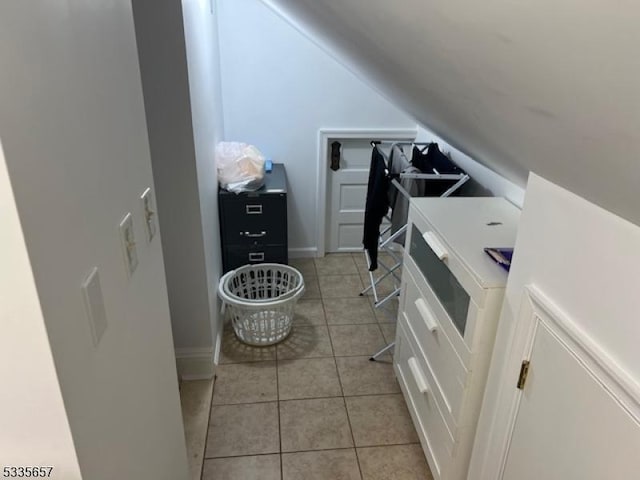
x=163 y=65
x=279 y=89
x=497 y=185
x=540 y=86
x=586 y=260
x=74 y=132
x=33 y=422
x=203 y=63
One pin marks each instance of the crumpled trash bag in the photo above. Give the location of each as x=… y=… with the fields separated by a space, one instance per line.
x=240 y=166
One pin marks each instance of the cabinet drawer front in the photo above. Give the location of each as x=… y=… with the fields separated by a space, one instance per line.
x=435 y=437
x=236 y=256
x=445 y=254
x=251 y=220
x=449 y=371
x=462 y=345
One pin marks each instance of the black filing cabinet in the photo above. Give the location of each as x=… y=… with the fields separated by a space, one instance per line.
x=253 y=225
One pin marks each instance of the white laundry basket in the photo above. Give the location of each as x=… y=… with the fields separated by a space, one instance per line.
x=261 y=299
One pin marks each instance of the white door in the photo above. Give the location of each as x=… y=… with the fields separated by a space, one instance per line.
x=347 y=192
x=571 y=309
x=571 y=421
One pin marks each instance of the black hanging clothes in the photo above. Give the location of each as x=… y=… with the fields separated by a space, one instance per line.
x=421 y=161
x=434 y=161
x=376 y=206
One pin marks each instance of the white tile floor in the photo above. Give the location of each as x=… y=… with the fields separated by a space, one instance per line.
x=314 y=406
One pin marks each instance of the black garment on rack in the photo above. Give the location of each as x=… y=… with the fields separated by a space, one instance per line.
x=376 y=206
x=434 y=161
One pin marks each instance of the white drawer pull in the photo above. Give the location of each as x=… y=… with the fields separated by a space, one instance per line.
x=435 y=245
x=418 y=376
x=426 y=314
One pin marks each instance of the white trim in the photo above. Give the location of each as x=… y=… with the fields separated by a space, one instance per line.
x=218 y=347
x=195 y=363
x=622 y=386
x=325 y=136
x=306 y=252
x=539 y=311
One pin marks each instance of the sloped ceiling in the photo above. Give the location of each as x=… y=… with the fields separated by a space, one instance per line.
x=549 y=86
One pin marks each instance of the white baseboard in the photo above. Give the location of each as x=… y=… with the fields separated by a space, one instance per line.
x=195 y=363
x=218 y=346
x=307 y=252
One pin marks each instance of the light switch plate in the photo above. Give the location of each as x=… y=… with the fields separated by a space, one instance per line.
x=149 y=212
x=94 y=305
x=127 y=238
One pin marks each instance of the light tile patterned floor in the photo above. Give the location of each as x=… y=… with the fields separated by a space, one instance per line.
x=314 y=406
x=195 y=399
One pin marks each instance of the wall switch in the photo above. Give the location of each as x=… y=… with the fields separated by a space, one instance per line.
x=149 y=212
x=128 y=241
x=94 y=305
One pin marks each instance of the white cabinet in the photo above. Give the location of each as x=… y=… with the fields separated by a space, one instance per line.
x=573 y=418
x=451 y=298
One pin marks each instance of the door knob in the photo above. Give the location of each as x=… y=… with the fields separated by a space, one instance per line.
x=335 y=156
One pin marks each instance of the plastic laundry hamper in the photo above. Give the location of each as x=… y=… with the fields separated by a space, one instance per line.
x=260 y=300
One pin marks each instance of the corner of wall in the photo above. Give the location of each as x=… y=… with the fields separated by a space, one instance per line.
x=495 y=183
x=195 y=363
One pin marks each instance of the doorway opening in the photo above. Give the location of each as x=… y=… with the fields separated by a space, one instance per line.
x=342 y=192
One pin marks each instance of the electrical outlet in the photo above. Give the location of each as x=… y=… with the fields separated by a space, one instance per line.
x=94 y=305
x=128 y=241
x=149 y=213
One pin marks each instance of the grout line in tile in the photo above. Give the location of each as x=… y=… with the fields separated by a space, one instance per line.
x=315 y=450
x=244 y=455
x=353 y=438
x=240 y=403
x=325 y=356
x=334 y=396
x=389 y=445
x=320 y=450
x=324 y=313
x=252 y=455
x=206 y=438
x=279 y=422
x=334 y=356
x=339 y=378
x=341 y=448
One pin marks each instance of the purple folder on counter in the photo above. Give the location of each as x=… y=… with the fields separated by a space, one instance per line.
x=502 y=256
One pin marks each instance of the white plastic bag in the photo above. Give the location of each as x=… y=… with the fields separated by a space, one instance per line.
x=240 y=166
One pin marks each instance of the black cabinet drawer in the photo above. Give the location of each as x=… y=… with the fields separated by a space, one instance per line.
x=235 y=256
x=253 y=225
x=249 y=220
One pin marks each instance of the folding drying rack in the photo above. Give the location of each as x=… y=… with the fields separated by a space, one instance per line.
x=387 y=239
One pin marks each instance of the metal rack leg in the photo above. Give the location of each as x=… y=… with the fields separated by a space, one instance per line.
x=375 y=356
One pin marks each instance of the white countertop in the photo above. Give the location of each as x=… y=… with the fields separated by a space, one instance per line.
x=462 y=223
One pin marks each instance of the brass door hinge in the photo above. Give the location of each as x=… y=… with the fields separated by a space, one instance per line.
x=524 y=370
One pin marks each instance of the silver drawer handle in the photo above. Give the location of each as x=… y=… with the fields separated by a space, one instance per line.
x=254 y=209
x=253 y=235
x=256 y=257
x=427 y=315
x=436 y=245
x=418 y=376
